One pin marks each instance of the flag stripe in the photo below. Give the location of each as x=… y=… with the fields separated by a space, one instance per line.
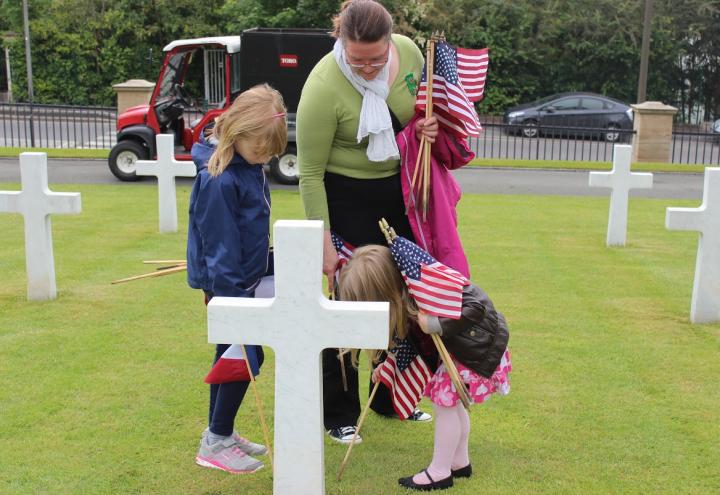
x=406 y=385
x=458 y=81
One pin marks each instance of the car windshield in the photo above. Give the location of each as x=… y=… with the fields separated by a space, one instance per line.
x=172 y=73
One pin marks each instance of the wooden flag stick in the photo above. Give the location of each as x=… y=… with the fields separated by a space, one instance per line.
x=258 y=402
x=425 y=150
x=160 y=268
x=460 y=385
x=421 y=148
x=341 y=357
x=158 y=273
x=163 y=262
x=357 y=430
x=452 y=370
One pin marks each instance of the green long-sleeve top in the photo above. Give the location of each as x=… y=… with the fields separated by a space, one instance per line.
x=328 y=116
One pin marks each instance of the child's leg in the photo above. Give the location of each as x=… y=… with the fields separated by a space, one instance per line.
x=461 y=457
x=447 y=436
x=225 y=400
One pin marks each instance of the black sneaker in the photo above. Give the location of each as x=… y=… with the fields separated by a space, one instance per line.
x=418 y=415
x=344 y=434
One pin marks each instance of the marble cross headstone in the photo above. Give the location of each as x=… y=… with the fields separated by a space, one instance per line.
x=620 y=180
x=705 y=306
x=298 y=323
x=36 y=203
x=166 y=168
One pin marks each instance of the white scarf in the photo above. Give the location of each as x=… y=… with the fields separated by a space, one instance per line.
x=375 y=118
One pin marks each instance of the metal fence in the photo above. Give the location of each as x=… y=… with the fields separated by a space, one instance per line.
x=57 y=126
x=64 y=126
x=695 y=145
x=564 y=143
x=690 y=144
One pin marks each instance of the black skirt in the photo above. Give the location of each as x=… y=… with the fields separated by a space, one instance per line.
x=356 y=206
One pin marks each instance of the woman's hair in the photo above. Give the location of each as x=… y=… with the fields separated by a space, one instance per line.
x=257 y=113
x=364 y=21
x=372 y=275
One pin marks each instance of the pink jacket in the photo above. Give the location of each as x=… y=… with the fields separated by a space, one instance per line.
x=437 y=234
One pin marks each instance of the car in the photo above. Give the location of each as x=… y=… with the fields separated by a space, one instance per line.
x=716 y=130
x=578 y=114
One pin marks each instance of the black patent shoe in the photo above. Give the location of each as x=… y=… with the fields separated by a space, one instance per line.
x=442 y=484
x=464 y=472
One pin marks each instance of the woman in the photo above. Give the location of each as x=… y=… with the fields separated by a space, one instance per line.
x=354 y=101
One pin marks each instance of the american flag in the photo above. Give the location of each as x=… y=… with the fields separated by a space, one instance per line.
x=436 y=288
x=459 y=80
x=405 y=374
x=344 y=250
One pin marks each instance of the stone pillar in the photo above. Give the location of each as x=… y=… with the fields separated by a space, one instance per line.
x=652 y=123
x=133 y=92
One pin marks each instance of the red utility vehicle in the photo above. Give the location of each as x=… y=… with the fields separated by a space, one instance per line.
x=199 y=80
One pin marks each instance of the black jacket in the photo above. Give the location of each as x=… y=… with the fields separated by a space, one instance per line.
x=479 y=338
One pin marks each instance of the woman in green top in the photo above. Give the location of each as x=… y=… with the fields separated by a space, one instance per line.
x=353 y=103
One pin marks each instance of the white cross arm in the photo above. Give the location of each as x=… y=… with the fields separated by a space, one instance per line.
x=601 y=179
x=261 y=324
x=165 y=159
x=638 y=180
x=10 y=201
x=64 y=203
x=685 y=219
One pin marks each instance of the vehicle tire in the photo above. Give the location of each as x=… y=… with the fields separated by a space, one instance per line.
x=285 y=167
x=123 y=158
x=612 y=134
x=529 y=128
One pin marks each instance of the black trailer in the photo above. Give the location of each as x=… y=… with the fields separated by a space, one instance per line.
x=282 y=58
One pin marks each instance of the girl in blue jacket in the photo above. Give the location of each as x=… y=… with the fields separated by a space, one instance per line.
x=229 y=244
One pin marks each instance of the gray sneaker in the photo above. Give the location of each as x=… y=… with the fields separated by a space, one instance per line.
x=226 y=455
x=250 y=448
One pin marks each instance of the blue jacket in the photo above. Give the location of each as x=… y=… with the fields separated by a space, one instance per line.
x=229 y=229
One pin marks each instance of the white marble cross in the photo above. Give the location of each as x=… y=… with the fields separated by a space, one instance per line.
x=621 y=180
x=298 y=323
x=705 y=306
x=166 y=168
x=35 y=203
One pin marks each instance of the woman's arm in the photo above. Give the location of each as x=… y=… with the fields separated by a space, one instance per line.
x=316 y=127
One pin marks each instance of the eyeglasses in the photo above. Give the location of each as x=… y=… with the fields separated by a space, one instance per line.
x=374 y=65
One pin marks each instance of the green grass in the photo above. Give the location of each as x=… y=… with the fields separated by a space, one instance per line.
x=614 y=391
x=579 y=165
x=6 y=151
x=479 y=162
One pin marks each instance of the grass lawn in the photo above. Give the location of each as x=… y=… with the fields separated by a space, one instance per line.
x=6 y=151
x=479 y=162
x=582 y=165
x=613 y=390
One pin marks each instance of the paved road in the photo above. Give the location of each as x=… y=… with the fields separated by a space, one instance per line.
x=472 y=180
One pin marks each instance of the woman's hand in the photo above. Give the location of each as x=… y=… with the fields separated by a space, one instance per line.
x=423 y=322
x=427 y=128
x=375 y=374
x=330 y=261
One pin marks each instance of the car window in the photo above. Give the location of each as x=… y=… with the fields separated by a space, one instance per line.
x=566 y=104
x=592 y=104
x=173 y=73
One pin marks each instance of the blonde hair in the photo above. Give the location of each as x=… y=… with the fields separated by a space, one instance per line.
x=257 y=113
x=372 y=275
x=364 y=21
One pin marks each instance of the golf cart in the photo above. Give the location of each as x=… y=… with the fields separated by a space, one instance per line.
x=199 y=80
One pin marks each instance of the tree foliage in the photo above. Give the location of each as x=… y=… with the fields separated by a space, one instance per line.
x=537 y=47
